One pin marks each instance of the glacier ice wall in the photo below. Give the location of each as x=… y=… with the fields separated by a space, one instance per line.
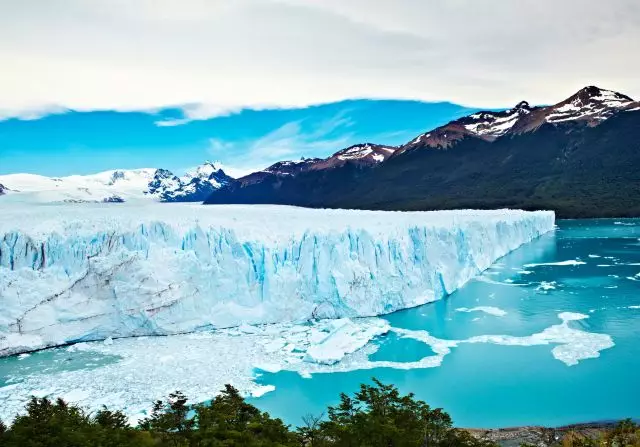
x=72 y=273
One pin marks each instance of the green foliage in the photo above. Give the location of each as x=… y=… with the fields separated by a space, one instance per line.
x=228 y=420
x=379 y=416
x=375 y=416
x=58 y=424
x=170 y=421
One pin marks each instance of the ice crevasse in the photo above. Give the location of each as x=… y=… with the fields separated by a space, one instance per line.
x=71 y=273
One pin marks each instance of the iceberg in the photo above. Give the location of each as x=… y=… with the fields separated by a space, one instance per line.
x=344 y=337
x=74 y=273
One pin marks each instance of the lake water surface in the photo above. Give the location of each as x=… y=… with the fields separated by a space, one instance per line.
x=487 y=385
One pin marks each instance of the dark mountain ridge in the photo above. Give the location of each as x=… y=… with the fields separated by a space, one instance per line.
x=579 y=157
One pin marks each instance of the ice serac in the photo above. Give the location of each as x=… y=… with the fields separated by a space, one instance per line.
x=72 y=273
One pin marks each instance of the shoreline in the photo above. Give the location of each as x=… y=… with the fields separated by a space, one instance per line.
x=539 y=435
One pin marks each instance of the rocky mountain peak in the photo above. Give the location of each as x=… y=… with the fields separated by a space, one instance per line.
x=591 y=104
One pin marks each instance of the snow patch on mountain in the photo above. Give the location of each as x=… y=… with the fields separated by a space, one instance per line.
x=590 y=103
x=495 y=124
x=373 y=152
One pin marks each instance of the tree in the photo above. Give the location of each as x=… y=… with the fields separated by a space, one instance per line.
x=55 y=424
x=170 y=421
x=230 y=421
x=379 y=416
x=311 y=431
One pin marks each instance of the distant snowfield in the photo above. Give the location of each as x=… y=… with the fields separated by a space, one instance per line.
x=129 y=185
x=82 y=272
x=32 y=188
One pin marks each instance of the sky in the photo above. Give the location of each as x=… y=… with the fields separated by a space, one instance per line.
x=247 y=141
x=211 y=59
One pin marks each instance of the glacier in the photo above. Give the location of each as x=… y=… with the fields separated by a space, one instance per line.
x=73 y=273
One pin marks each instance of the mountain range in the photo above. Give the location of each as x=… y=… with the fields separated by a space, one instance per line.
x=118 y=185
x=579 y=157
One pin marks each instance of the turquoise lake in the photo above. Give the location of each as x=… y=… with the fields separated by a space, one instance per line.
x=486 y=385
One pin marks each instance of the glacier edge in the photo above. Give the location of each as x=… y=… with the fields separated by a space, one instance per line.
x=71 y=273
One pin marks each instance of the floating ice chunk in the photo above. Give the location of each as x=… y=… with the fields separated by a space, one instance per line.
x=594 y=256
x=108 y=341
x=275 y=345
x=633 y=307
x=547 y=285
x=269 y=367
x=572 y=316
x=483 y=278
x=262 y=390
x=76 y=395
x=561 y=263
x=344 y=338
x=247 y=329
x=574 y=344
x=23 y=356
x=497 y=312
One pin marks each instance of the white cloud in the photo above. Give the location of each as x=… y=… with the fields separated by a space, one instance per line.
x=32 y=113
x=194 y=112
x=124 y=55
x=289 y=141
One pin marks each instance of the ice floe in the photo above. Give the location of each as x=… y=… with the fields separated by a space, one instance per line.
x=343 y=337
x=547 y=285
x=145 y=369
x=560 y=263
x=495 y=311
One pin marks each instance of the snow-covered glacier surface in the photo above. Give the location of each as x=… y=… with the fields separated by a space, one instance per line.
x=73 y=273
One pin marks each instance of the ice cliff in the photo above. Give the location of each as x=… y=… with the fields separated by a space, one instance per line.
x=72 y=273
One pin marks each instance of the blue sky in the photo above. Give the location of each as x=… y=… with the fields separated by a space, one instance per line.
x=87 y=142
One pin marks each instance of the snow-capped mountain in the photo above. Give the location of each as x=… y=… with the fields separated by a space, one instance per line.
x=591 y=106
x=366 y=154
x=360 y=155
x=292 y=167
x=116 y=186
x=487 y=125
x=195 y=186
x=578 y=157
